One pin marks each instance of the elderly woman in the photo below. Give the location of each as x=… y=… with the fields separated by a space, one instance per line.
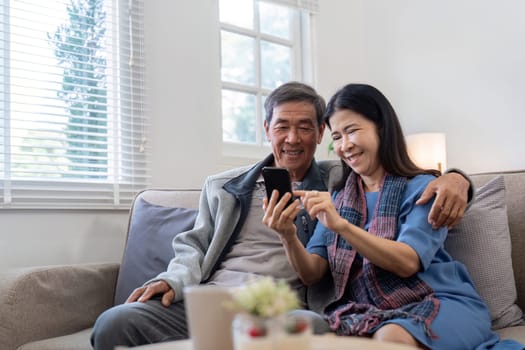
x=393 y=279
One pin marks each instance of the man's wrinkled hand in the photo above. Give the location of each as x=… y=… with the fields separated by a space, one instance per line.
x=144 y=293
x=451 y=192
x=280 y=217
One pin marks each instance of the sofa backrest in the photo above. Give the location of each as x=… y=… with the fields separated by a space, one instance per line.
x=172 y=198
x=515 y=200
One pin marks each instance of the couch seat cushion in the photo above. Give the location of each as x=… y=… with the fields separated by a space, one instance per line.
x=75 y=341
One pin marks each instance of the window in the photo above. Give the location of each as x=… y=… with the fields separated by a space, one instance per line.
x=71 y=103
x=263 y=45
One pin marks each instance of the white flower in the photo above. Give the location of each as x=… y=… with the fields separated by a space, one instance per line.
x=265 y=297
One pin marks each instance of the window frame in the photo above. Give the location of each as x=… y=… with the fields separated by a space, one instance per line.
x=301 y=43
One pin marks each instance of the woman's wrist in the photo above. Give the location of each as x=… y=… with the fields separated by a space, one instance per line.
x=342 y=225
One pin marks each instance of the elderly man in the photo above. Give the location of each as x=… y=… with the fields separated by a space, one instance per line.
x=229 y=244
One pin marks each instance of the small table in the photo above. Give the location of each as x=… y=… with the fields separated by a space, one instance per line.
x=319 y=342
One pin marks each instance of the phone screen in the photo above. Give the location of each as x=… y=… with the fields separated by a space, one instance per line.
x=279 y=179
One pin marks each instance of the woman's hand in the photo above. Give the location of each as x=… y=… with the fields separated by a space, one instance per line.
x=320 y=205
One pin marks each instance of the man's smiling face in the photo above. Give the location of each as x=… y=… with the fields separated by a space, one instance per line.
x=294 y=135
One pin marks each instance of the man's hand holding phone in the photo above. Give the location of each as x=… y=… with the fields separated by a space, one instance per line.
x=277 y=216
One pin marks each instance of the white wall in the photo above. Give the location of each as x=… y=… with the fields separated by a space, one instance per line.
x=451 y=66
x=182 y=49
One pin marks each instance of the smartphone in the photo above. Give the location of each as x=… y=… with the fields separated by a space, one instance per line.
x=278 y=179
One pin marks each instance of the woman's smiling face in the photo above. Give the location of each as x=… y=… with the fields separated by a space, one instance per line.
x=356 y=142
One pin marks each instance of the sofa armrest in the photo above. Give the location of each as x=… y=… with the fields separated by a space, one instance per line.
x=49 y=301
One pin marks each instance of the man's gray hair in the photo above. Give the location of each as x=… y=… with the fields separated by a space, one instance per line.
x=295 y=92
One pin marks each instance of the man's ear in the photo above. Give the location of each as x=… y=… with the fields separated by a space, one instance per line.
x=267 y=130
x=322 y=127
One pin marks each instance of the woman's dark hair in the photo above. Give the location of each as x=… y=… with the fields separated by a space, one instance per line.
x=295 y=92
x=369 y=102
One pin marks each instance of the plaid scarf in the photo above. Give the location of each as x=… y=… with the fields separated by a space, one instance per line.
x=377 y=295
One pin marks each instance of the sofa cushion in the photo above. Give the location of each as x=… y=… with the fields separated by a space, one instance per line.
x=75 y=341
x=149 y=244
x=482 y=242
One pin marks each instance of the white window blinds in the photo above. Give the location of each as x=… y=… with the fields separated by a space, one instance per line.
x=72 y=120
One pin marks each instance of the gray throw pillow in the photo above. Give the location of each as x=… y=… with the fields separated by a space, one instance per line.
x=149 y=244
x=482 y=242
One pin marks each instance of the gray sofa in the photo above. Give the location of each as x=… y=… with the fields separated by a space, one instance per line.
x=54 y=307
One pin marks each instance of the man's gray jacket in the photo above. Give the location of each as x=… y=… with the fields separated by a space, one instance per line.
x=223 y=208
